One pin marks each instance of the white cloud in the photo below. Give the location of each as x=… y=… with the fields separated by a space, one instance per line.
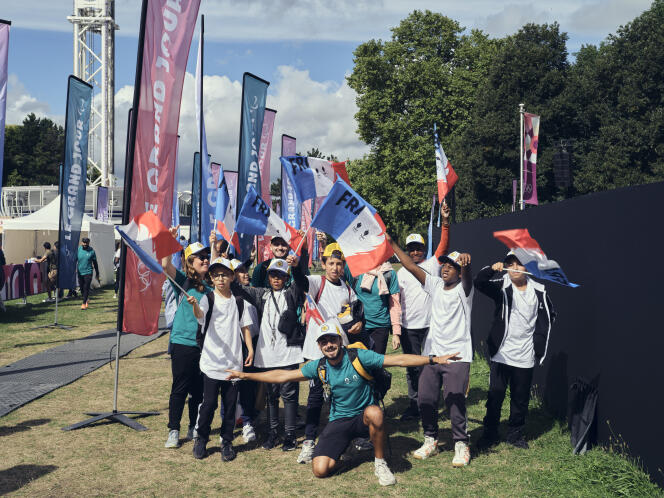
x=512 y=17
x=20 y=103
x=318 y=114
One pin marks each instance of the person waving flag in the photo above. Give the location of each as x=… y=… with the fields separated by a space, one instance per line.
x=356 y=226
x=445 y=175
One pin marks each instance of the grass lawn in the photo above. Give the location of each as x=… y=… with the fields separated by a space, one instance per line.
x=109 y=459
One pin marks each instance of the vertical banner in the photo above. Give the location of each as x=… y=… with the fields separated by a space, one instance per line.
x=231 y=183
x=531 y=124
x=254 y=94
x=291 y=211
x=194 y=231
x=162 y=62
x=208 y=199
x=102 y=204
x=264 y=155
x=74 y=177
x=4 y=51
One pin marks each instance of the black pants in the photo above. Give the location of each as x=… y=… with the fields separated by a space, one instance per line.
x=314 y=406
x=412 y=341
x=187 y=379
x=211 y=389
x=84 y=282
x=379 y=335
x=519 y=381
x=248 y=390
x=289 y=392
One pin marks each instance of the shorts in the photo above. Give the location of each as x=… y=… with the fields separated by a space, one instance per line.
x=52 y=280
x=338 y=434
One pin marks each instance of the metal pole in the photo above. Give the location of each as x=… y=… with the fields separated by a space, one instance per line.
x=521 y=204
x=200 y=138
x=117 y=371
x=57 y=291
x=104 y=110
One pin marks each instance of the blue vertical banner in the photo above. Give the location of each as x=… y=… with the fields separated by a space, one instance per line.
x=195 y=229
x=4 y=51
x=291 y=210
x=254 y=95
x=74 y=177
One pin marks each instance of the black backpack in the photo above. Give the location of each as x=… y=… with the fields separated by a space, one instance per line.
x=200 y=333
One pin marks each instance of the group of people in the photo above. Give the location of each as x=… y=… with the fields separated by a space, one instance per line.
x=232 y=334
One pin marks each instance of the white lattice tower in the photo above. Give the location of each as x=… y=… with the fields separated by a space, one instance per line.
x=94 y=55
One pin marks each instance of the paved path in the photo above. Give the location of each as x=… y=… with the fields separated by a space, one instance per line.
x=39 y=374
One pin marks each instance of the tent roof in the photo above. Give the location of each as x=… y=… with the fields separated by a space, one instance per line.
x=47 y=218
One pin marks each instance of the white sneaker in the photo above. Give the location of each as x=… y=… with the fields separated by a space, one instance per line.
x=384 y=474
x=461 y=454
x=307 y=452
x=429 y=448
x=173 y=440
x=248 y=433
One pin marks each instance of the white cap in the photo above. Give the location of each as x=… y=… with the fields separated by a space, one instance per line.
x=221 y=262
x=415 y=237
x=452 y=257
x=278 y=265
x=330 y=327
x=235 y=264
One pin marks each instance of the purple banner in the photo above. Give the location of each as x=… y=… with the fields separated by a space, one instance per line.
x=102 y=204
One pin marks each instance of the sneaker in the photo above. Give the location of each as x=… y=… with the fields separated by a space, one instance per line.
x=290 y=443
x=173 y=440
x=384 y=474
x=429 y=448
x=248 y=433
x=227 y=452
x=461 y=454
x=488 y=440
x=115 y=296
x=191 y=433
x=199 y=448
x=271 y=441
x=411 y=413
x=307 y=451
x=363 y=444
x=83 y=306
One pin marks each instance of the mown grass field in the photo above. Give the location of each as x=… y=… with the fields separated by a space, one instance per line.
x=39 y=459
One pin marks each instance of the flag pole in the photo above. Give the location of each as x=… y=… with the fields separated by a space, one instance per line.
x=200 y=138
x=521 y=204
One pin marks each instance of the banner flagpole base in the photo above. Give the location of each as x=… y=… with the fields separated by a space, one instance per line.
x=114 y=416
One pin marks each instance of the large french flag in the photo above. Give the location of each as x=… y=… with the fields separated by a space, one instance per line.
x=356 y=226
x=256 y=218
x=531 y=255
x=147 y=236
x=311 y=177
x=224 y=216
x=445 y=174
x=312 y=312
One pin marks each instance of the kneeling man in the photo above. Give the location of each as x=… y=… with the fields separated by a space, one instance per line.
x=353 y=412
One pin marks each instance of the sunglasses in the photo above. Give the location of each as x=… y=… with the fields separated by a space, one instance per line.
x=218 y=276
x=202 y=257
x=325 y=340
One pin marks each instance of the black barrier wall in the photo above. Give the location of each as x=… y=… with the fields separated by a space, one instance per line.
x=610 y=330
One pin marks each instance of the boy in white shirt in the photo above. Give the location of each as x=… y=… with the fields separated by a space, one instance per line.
x=517 y=341
x=223 y=326
x=451 y=306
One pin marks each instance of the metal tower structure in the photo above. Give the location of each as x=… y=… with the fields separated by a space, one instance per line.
x=94 y=56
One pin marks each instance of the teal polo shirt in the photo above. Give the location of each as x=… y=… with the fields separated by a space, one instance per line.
x=84 y=260
x=376 y=307
x=185 y=324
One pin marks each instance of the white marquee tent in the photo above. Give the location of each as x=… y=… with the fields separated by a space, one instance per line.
x=23 y=237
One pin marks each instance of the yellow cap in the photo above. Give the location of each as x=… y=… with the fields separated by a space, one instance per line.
x=194 y=248
x=330 y=248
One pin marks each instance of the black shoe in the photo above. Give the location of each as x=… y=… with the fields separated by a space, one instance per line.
x=199 y=448
x=411 y=413
x=517 y=440
x=488 y=440
x=290 y=443
x=271 y=441
x=227 y=452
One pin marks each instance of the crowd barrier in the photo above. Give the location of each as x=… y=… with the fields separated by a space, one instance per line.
x=608 y=330
x=20 y=281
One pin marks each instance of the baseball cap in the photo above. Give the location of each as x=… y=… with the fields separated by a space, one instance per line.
x=278 y=265
x=330 y=248
x=328 y=328
x=235 y=264
x=511 y=256
x=415 y=238
x=226 y=263
x=452 y=258
x=194 y=248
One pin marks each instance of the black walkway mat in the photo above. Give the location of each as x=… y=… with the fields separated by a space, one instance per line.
x=37 y=375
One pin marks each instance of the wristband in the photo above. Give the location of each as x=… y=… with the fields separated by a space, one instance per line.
x=431 y=362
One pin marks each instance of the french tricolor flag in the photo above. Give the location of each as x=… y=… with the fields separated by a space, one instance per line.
x=256 y=218
x=445 y=174
x=356 y=226
x=312 y=313
x=147 y=236
x=224 y=220
x=311 y=177
x=531 y=255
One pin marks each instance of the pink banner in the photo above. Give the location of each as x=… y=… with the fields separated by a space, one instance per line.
x=19 y=281
x=231 y=183
x=169 y=27
x=531 y=124
x=264 y=155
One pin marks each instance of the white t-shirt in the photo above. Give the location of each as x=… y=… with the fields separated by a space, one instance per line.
x=415 y=302
x=222 y=349
x=330 y=303
x=272 y=350
x=450 y=320
x=517 y=349
x=251 y=310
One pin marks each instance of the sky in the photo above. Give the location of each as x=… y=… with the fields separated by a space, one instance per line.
x=303 y=47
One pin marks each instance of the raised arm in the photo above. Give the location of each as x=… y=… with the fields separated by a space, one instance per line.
x=166 y=262
x=250 y=294
x=444 y=244
x=272 y=377
x=484 y=284
x=407 y=263
x=466 y=273
x=414 y=360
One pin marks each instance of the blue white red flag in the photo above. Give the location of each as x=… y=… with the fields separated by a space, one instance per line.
x=311 y=177
x=312 y=312
x=356 y=226
x=256 y=218
x=224 y=216
x=531 y=255
x=147 y=236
